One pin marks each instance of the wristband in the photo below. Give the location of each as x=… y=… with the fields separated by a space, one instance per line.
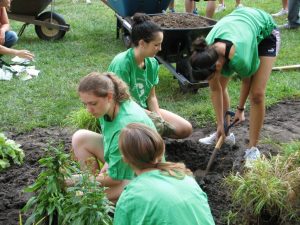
x=240 y=108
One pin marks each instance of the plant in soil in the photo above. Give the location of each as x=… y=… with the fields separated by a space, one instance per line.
x=53 y=203
x=268 y=192
x=49 y=187
x=86 y=203
x=82 y=119
x=10 y=151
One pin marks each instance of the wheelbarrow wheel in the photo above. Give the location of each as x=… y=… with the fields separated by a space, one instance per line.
x=46 y=33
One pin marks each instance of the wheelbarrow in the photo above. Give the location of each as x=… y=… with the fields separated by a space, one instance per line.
x=48 y=24
x=176 y=44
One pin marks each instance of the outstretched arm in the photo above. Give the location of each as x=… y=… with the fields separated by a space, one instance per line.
x=21 y=53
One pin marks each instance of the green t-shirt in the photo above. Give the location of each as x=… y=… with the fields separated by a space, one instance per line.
x=140 y=81
x=245 y=28
x=129 y=112
x=156 y=199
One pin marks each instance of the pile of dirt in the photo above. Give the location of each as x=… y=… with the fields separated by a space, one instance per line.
x=180 y=20
x=282 y=124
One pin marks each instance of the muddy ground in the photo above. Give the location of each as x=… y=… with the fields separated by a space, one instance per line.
x=282 y=124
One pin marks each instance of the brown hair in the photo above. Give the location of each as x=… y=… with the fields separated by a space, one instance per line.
x=142 y=148
x=143 y=29
x=100 y=84
x=203 y=59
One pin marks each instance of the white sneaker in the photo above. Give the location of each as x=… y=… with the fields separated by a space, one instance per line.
x=251 y=155
x=211 y=139
x=88 y=2
x=220 y=8
x=282 y=12
x=239 y=6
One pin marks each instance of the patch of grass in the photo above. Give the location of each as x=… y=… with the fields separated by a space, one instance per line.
x=91 y=44
x=82 y=119
x=270 y=190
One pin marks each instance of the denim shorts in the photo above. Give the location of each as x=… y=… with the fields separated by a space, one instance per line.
x=270 y=45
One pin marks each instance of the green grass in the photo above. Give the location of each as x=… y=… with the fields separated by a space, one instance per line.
x=90 y=45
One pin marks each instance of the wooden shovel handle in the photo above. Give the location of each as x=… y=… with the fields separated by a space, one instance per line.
x=220 y=142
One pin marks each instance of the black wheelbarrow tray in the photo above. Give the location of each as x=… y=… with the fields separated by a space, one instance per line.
x=48 y=24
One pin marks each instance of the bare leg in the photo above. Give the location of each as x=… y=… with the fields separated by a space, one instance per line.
x=257 y=97
x=189 y=6
x=210 y=9
x=172 y=4
x=285 y=4
x=183 y=128
x=88 y=148
x=237 y=2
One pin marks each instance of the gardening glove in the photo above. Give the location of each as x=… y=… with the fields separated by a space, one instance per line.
x=164 y=128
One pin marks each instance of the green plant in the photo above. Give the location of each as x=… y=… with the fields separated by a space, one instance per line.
x=87 y=203
x=9 y=151
x=271 y=187
x=54 y=202
x=82 y=119
x=49 y=187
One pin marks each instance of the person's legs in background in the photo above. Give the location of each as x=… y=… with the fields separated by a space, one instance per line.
x=293 y=15
x=10 y=39
x=238 y=3
x=190 y=6
x=172 y=6
x=210 y=9
x=221 y=7
x=284 y=10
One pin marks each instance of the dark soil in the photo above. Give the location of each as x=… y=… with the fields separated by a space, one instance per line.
x=282 y=124
x=180 y=20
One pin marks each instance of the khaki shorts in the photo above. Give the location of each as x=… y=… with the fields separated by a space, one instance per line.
x=164 y=128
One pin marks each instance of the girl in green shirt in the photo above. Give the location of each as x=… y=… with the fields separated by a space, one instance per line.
x=163 y=193
x=139 y=69
x=106 y=97
x=245 y=42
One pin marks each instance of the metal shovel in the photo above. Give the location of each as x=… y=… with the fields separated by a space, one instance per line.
x=202 y=173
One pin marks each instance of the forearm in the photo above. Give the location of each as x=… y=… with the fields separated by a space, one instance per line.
x=7 y=51
x=217 y=100
x=105 y=180
x=244 y=92
x=152 y=102
x=153 y=105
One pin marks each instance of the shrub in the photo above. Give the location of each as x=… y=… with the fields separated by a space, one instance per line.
x=270 y=189
x=87 y=204
x=82 y=119
x=56 y=204
x=9 y=151
x=49 y=187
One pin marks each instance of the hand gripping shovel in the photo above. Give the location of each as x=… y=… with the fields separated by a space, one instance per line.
x=202 y=173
